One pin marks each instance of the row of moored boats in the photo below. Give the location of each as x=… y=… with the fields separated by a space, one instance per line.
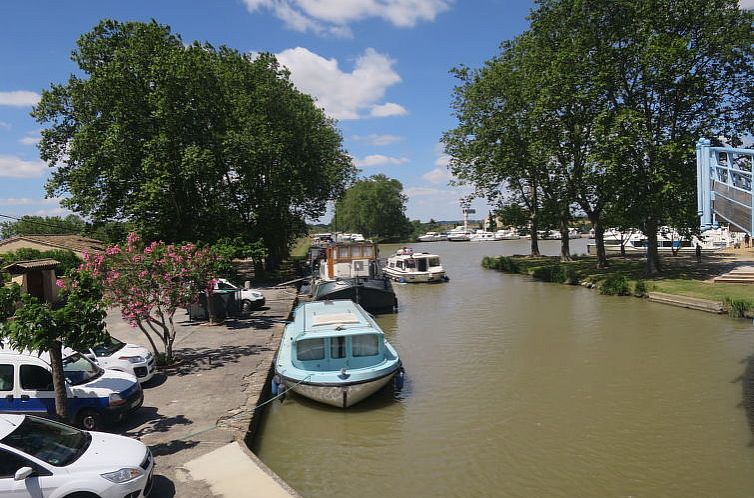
x=334 y=352
x=461 y=234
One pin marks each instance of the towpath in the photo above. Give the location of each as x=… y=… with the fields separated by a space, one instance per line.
x=200 y=411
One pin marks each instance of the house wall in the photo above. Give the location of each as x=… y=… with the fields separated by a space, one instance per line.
x=51 y=291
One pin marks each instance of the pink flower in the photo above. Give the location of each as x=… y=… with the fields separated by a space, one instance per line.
x=59 y=283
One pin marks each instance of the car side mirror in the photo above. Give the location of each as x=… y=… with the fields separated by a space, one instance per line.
x=23 y=473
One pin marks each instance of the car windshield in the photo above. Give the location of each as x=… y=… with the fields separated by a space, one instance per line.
x=51 y=442
x=78 y=369
x=108 y=348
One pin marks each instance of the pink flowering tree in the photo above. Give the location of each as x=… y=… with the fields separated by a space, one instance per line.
x=149 y=282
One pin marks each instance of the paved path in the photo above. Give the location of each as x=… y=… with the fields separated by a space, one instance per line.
x=224 y=371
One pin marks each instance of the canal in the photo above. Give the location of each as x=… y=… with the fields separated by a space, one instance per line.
x=521 y=388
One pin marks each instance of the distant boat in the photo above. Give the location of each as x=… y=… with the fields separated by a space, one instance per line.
x=507 y=235
x=481 y=236
x=432 y=237
x=459 y=234
x=407 y=266
x=335 y=353
x=668 y=240
x=350 y=271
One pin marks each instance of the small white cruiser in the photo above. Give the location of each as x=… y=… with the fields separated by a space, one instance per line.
x=409 y=266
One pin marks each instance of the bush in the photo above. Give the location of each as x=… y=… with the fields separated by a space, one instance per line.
x=68 y=259
x=569 y=275
x=550 y=273
x=737 y=308
x=640 y=288
x=615 y=285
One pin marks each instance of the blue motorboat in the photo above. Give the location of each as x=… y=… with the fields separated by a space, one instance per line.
x=335 y=353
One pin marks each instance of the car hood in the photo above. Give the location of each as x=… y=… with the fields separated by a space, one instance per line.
x=110 y=452
x=132 y=350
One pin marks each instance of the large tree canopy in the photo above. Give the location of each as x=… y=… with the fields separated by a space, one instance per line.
x=599 y=104
x=375 y=207
x=188 y=142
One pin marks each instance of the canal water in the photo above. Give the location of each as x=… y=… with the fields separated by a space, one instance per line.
x=521 y=388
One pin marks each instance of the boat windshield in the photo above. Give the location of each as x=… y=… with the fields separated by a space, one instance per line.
x=51 y=442
x=434 y=262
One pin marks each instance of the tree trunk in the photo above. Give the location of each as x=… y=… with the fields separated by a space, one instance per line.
x=565 y=242
x=149 y=338
x=58 y=381
x=653 y=255
x=534 y=234
x=599 y=240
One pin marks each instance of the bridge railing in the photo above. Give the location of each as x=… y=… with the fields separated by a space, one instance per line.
x=724 y=186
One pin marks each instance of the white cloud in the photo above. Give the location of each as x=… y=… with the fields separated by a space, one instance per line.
x=387 y=109
x=25 y=201
x=438 y=175
x=15 y=167
x=746 y=4
x=341 y=94
x=333 y=16
x=379 y=160
x=30 y=140
x=377 y=140
x=20 y=98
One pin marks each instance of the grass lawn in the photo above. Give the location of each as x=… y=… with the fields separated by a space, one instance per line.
x=301 y=248
x=681 y=275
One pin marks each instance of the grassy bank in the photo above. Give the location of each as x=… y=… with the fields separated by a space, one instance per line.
x=625 y=276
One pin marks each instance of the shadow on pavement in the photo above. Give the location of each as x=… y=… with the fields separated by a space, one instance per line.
x=147 y=421
x=195 y=360
x=170 y=447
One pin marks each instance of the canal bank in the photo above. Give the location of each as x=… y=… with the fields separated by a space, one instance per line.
x=197 y=417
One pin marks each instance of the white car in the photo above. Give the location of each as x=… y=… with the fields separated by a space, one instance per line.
x=250 y=299
x=47 y=459
x=130 y=358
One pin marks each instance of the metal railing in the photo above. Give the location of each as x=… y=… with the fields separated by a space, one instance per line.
x=724 y=186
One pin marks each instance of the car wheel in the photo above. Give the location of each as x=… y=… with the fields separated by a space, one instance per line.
x=247 y=306
x=89 y=420
x=82 y=494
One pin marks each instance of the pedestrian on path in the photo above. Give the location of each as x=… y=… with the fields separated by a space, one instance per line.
x=698 y=253
x=746 y=240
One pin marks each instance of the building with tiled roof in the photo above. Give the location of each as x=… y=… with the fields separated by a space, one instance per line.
x=75 y=243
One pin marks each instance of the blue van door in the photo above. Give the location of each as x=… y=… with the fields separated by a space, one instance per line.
x=7 y=378
x=36 y=393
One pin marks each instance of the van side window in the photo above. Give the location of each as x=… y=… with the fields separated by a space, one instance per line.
x=10 y=463
x=6 y=377
x=34 y=378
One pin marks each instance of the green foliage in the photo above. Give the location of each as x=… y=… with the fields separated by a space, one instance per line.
x=68 y=259
x=227 y=249
x=640 y=288
x=559 y=273
x=374 y=207
x=501 y=263
x=513 y=214
x=615 y=285
x=10 y=297
x=48 y=225
x=737 y=308
x=188 y=142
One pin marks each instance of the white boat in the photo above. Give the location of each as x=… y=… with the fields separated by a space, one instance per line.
x=482 y=236
x=668 y=240
x=409 y=266
x=507 y=235
x=432 y=237
x=335 y=353
x=460 y=234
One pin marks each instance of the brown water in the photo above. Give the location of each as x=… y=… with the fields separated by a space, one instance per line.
x=521 y=388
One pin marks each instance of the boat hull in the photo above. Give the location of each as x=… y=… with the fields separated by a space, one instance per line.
x=339 y=395
x=415 y=277
x=373 y=294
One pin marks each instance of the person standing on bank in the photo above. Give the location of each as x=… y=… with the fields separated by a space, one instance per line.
x=698 y=253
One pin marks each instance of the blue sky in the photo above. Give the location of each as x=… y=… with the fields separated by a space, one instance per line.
x=380 y=67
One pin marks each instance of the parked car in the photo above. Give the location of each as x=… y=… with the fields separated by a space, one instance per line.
x=42 y=458
x=250 y=299
x=123 y=357
x=96 y=397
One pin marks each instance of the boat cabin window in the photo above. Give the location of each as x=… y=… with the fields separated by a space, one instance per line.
x=343 y=252
x=338 y=347
x=399 y=264
x=434 y=261
x=365 y=345
x=367 y=251
x=310 y=349
x=355 y=251
x=421 y=264
x=410 y=263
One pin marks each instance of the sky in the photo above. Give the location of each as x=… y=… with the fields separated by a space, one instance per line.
x=379 y=67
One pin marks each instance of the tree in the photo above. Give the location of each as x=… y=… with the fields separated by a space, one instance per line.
x=512 y=215
x=28 y=225
x=150 y=282
x=375 y=207
x=77 y=324
x=188 y=143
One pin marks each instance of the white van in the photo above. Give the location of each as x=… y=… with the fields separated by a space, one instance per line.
x=96 y=397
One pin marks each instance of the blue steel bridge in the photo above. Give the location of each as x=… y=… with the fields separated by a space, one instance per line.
x=724 y=186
